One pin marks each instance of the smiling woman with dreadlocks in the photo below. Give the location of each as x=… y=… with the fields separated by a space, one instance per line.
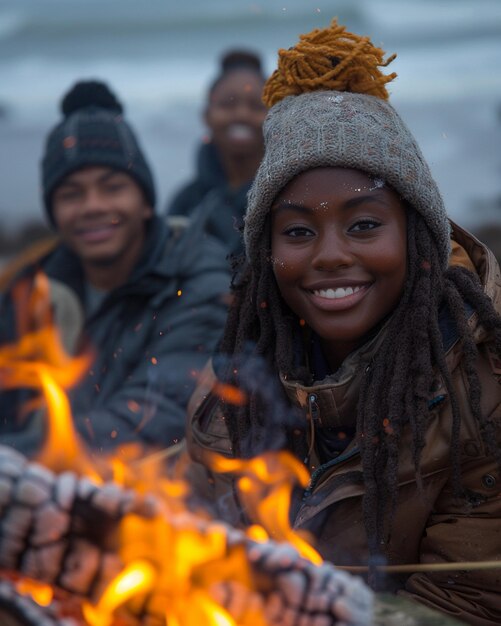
x=380 y=320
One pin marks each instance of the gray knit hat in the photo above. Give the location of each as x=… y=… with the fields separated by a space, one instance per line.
x=342 y=129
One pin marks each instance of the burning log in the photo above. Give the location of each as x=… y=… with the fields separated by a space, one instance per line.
x=54 y=528
x=63 y=530
x=296 y=592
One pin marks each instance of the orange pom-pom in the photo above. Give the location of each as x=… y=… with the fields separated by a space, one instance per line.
x=329 y=59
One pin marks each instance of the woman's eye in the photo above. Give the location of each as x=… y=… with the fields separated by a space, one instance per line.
x=364 y=226
x=298 y=231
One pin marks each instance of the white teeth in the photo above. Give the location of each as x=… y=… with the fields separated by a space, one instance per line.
x=340 y=292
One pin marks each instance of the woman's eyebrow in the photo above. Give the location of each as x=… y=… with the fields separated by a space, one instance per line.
x=285 y=205
x=367 y=198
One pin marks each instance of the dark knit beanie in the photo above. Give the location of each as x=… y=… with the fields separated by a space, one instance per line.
x=92 y=132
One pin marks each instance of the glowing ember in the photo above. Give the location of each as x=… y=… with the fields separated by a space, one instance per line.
x=42 y=594
x=229 y=393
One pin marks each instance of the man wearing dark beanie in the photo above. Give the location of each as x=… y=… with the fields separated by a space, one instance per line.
x=147 y=299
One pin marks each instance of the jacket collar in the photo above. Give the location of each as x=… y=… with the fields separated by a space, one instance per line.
x=483 y=260
x=332 y=401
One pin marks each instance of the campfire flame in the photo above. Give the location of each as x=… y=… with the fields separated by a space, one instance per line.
x=138 y=577
x=265 y=486
x=39 y=361
x=170 y=561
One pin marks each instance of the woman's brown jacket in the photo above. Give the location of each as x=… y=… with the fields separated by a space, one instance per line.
x=431 y=525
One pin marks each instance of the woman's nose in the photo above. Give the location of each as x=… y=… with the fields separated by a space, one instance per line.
x=332 y=251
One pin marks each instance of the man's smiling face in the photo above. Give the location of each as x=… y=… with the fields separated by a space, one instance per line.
x=100 y=214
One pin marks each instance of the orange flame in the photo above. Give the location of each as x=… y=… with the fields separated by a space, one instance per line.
x=265 y=485
x=138 y=577
x=190 y=554
x=185 y=557
x=39 y=361
x=171 y=561
x=71 y=455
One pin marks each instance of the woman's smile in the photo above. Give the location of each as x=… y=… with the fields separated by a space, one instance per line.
x=337 y=298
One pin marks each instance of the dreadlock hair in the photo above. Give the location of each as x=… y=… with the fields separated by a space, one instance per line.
x=396 y=388
x=257 y=317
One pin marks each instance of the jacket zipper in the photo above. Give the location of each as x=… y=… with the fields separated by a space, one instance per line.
x=320 y=471
x=313 y=409
x=313 y=417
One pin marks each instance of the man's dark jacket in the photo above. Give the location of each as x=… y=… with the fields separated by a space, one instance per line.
x=209 y=199
x=149 y=337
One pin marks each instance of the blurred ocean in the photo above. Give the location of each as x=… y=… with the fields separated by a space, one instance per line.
x=160 y=55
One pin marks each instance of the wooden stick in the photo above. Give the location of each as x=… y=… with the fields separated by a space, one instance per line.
x=411 y=568
x=406 y=568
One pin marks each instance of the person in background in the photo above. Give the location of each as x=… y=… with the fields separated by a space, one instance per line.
x=146 y=299
x=228 y=160
x=378 y=321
